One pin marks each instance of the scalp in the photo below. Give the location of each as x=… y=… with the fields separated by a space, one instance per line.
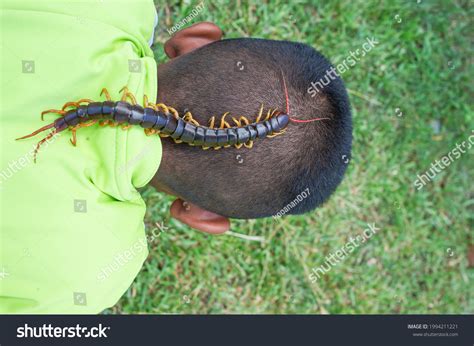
x=257 y=182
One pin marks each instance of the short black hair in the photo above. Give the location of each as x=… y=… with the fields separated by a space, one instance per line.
x=237 y=76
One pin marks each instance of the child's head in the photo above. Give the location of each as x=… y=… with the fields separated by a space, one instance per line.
x=238 y=76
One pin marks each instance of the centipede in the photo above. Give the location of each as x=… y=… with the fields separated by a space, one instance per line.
x=165 y=121
x=162 y=120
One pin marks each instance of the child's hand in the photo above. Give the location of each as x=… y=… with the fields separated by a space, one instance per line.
x=198 y=218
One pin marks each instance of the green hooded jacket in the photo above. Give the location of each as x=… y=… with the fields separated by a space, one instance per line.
x=72 y=237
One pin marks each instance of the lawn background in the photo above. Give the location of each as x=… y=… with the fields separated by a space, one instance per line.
x=411 y=98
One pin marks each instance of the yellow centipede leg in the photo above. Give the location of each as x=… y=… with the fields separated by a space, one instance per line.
x=174 y=112
x=260 y=113
x=106 y=93
x=75 y=128
x=194 y=122
x=149 y=132
x=238 y=146
x=244 y=120
x=76 y=104
x=237 y=122
x=223 y=122
x=268 y=115
x=249 y=144
x=124 y=95
x=189 y=118
x=92 y=122
x=70 y=104
x=85 y=100
x=128 y=94
x=163 y=107
x=58 y=111
x=152 y=106
x=145 y=101
x=73 y=139
x=211 y=122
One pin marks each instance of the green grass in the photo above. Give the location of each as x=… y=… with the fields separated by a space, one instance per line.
x=417 y=263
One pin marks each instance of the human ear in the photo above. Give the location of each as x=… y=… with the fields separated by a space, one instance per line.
x=191 y=38
x=198 y=218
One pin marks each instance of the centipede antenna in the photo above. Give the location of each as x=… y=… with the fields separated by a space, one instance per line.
x=286 y=93
x=44 y=128
x=308 y=120
x=288 y=106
